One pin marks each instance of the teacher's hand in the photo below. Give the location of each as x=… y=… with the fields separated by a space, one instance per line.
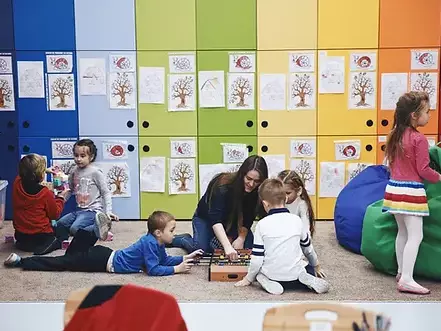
x=238 y=243
x=231 y=253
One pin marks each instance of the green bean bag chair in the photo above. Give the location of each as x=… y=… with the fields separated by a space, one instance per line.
x=380 y=231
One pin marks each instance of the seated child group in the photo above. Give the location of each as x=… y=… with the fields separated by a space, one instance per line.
x=283 y=257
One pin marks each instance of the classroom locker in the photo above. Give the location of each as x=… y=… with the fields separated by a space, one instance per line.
x=6 y=26
x=9 y=168
x=8 y=93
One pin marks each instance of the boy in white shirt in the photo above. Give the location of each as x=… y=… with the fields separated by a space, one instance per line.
x=279 y=241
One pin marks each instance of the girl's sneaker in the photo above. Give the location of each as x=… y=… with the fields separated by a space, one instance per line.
x=103 y=224
x=317 y=284
x=13 y=260
x=269 y=285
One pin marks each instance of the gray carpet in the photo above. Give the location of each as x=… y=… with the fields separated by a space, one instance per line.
x=351 y=276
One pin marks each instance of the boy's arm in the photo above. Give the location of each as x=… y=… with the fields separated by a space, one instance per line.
x=153 y=267
x=308 y=249
x=171 y=260
x=257 y=255
x=53 y=205
x=104 y=190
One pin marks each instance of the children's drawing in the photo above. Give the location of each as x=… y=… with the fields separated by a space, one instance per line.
x=424 y=59
x=66 y=166
x=301 y=62
x=275 y=163
x=332 y=74
x=302 y=91
x=182 y=63
x=122 y=90
x=152 y=174
x=207 y=173
x=181 y=93
x=61 y=92
x=301 y=148
x=347 y=149
x=393 y=85
x=231 y=167
x=272 y=92
x=122 y=63
x=7 y=102
x=59 y=63
x=425 y=82
x=118 y=179
x=183 y=148
x=151 y=85
x=362 y=90
x=332 y=179
x=182 y=176
x=242 y=62
x=62 y=149
x=5 y=64
x=306 y=169
x=234 y=153
x=240 y=91
x=93 y=76
x=30 y=79
x=354 y=169
x=211 y=89
x=363 y=61
x=114 y=150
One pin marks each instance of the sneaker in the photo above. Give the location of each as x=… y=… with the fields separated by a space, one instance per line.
x=12 y=261
x=103 y=224
x=317 y=284
x=269 y=285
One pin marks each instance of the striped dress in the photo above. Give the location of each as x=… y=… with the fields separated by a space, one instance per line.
x=405 y=197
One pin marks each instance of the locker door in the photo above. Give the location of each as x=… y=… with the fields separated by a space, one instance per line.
x=6 y=26
x=34 y=118
x=9 y=168
x=279 y=23
x=398 y=61
x=228 y=122
x=8 y=69
x=157 y=23
x=227 y=24
x=44 y=25
x=156 y=119
x=335 y=110
x=329 y=183
x=126 y=206
x=92 y=109
x=348 y=24
x=182 y=206
x=114 y=30
x=418 y=24
x=299 y=120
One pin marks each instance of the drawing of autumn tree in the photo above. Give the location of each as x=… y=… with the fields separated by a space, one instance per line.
x=362 y=87
x=122 y=87
x=5 y=93
x=301 y=88
x=305 y=171
x=182 y=89
x=117 y=176
x=424 y=84
x=62 y=88
x=358 y=169
x=181 y=174
x=67 y=167
x=240 y=88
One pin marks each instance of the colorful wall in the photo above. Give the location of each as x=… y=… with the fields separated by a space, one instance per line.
x=173 y=91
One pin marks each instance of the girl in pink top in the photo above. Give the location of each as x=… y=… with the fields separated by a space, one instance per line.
x=407 y=152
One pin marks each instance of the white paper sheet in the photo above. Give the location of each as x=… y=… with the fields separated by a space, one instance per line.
x=234 y=153
x=180 y=63
x=272 y=92
x=122 y=62
x=421 y=59
x=302 y=91
x=347 y=149
x=5 y=64
x=361 y=61
x=122 y=90
x=115 y=150
x=118 y=178
x=306 y=169
x=426 y=82
x=7 y=100
x=275 y=163
x=62 y=149
x=181 y=93
x=211 y=89
x=182 y=176
x=207 y=173
x=303 y=147
x=58 y=63
x=354 y=169
x=152 y=85
x=183 y=148
x=240 y=91
x=362 y=90
x=30 y=79
x=152 y=174
x=301 y=62
x=393 y=85
x=332 y=74
x=242 y=61
x=61 y=92
x=67 y=166
x=332 y=179
x=93 y=76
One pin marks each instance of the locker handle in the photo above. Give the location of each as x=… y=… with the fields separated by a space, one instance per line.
x=131 y=148
x=264 y=148
x=384 y=122
x=369 y=123
x=250 y=124
x=26 y=148
x=264 y=124
x=145 y=124
x=383 y=147
x=11 y=124
x=130 y=124
x=250 y=148
x=368 y=148
x=26 y=124
x=146 y=148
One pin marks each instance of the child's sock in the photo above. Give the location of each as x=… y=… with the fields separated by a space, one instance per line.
x=13 y=260
x=103 y=224
x=269 y=285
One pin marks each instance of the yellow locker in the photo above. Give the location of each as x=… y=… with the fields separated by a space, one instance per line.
x=339 y=158
x=352 y=107
x=294 y=112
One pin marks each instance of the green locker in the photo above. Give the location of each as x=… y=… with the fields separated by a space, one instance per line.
x=226 y=24
x=182 y=206
x=155 y=119
x=222 y=121
x=166 y=24
x=210 y=148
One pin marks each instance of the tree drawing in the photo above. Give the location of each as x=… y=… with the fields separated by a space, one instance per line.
x=62 y=88
x=181 y=174
x=66 y=167
x=117 y=177
x=305 y=171
x=182 y=89
x=5 y=92
x=358 y=169
x=121 y=87
x=362 y=87
x=424 y=84
x=301 y=88
x=240 y=88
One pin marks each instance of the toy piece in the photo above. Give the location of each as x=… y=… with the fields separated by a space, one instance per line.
x=60 y=180
x=222 y=269
x=9 y=238
x=65 y=244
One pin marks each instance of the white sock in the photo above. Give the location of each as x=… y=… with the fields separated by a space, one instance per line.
x=400 y=241
x=414 y=226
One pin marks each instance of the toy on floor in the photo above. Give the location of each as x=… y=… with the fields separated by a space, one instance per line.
x=9 y=238
x=221 y=269
x=60 y=180
x=65 y=244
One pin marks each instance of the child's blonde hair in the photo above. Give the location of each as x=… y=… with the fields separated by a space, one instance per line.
x=158 y=220
x=32 y=168
x=272 y=191
x=293 y=180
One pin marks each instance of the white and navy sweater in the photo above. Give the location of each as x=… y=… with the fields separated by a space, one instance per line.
x=280 y=240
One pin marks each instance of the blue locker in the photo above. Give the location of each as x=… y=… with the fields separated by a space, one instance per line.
x=43 y=146
x=6 y=25
x=95 y=115
x=127 y=208
x=105 y=25
x=34 y=118
x=8 y=119
x=8 y=167
x=44 y=24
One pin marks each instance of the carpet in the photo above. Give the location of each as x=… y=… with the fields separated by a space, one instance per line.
x=351 y=276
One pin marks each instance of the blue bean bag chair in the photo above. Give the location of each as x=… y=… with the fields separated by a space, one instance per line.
x=367 y=187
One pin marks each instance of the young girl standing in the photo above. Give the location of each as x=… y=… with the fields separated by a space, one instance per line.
x=407 y=152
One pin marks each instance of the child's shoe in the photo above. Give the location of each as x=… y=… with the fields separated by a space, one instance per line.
x=13 y=260
x=103 y=224
x=317 y=284
x=269 y=285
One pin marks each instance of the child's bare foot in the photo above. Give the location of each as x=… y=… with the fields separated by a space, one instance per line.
x=412 y=287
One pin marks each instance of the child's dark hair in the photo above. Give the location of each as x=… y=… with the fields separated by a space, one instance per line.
x=158 y=220
x=408 y=103
x=272 y=191
x=32 y=168
x=292 y=178
x=87 y=143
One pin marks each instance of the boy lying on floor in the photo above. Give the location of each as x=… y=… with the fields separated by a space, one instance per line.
x=147 y=254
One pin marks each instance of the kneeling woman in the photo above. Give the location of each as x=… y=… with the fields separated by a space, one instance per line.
x=226 y=212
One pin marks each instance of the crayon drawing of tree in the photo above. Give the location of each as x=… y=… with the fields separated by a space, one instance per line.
x=362 y=87
x=240 y=88
x=61 y=89
x=181 y=174
x=5 y=93
x=121 y=88
x=305 y=171
x=182 y=89
x=424 y=83
x=301 y=88
x=117 y=177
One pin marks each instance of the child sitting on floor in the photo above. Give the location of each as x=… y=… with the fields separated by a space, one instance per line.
x=148 y=253
x=279 y=239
